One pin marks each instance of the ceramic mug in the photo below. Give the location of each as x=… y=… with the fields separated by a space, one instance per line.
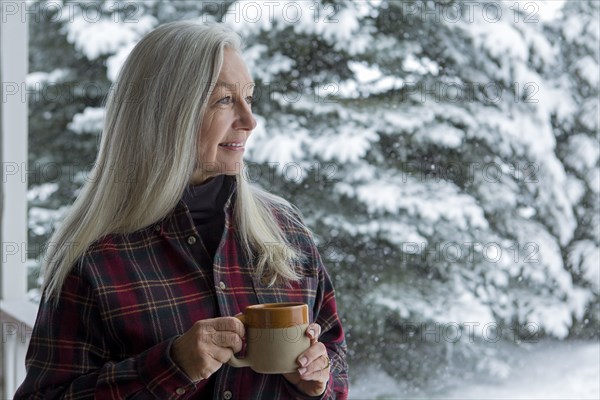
x=275 y=337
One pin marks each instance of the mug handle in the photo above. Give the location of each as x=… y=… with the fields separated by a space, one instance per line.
x=239 y=362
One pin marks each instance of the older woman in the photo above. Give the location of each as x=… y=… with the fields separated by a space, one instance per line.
x=168 y=242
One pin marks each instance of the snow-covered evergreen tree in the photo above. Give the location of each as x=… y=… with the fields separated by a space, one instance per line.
x=578 y=143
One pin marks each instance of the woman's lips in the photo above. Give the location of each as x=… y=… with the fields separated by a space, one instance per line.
x=233 y=146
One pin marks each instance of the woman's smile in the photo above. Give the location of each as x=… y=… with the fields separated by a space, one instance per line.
x=232 y=146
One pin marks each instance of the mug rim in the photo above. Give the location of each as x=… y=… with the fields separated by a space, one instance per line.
x=276 y=306
x=276 y=315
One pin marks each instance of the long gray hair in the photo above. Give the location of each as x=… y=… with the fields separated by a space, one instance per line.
x=148 y=153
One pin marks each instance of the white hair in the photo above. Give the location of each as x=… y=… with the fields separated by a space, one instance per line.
x=149 y=150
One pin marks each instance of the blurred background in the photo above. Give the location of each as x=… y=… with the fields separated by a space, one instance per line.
x=445 y=153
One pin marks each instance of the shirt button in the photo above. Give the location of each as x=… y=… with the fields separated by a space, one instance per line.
x=227 y=395
x=191 y=240
x=157 y=228
x=180 y=391
x=222 y=286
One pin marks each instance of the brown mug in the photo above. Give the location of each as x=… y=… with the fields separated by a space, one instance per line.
x=275 y=337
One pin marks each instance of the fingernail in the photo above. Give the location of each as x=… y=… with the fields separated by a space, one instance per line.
x=303 y=361
x=311 y=332
x=302 y=370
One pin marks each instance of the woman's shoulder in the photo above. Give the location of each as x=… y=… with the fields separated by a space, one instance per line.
x=103 y=254
x=142 y=237
x=122 y=248
x=106 y=242
x=115 y=242
x=110 y=259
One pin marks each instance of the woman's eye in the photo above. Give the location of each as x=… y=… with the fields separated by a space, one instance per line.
x=225 y=100
x=250 y=100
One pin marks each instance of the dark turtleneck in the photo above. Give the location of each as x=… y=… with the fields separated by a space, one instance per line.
x=206 y=202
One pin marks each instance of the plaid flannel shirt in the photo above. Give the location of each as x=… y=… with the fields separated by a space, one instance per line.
x=130 y=296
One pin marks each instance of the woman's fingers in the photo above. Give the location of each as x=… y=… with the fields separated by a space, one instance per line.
x=314 y=371
x=221 y=355
x=313 y=331
x=230 y=324
x=227 y=339
x=208 y=344
x=320 y=373
x=312 y=361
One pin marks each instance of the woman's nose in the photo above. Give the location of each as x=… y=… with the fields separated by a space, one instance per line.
x=245 y=118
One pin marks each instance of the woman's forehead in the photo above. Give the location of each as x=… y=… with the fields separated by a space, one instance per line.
x=234 y=85
x=234 y=69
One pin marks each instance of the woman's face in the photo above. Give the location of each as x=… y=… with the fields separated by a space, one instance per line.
x=227 y=122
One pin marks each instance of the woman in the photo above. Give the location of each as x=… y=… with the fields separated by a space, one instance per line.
x=168 y=242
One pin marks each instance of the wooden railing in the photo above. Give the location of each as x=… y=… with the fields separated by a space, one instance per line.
x=17 y=318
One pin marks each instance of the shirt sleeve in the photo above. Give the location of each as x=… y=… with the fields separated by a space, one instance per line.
x=68 y=356
x=332 y=334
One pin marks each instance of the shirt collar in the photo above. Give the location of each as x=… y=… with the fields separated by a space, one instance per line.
x=179 y=220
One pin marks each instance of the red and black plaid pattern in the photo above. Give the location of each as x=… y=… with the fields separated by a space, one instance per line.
x=130 y=296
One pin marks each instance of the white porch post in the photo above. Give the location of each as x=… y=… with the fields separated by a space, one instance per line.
x=15 y=310
x=13 y=72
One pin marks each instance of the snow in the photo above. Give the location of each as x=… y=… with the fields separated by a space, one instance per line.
x=463 y=311
x=550 y=370
x=517 y=133
x=287 y=141
x=91 y=120
x=35 y=80
x=443 y=135
x=41 y=220
x=420 y=66
x=41 y=192
x=584 y=257
x=279 y=149
x=105 y=36
x=338 y=26
x=429 y=200
x=537 y=371
x=593 y=179
x=554 y=317
x=548 y=252
x=531 y=139
x=115 y=62
x=263 y=67
x=407 y=120
x=539 y=46
x=502 y=41
x=584 y=152
x=546 y=294
x=254 y=56
x=363 y=72
x=279 y=63
x=351 y=143
x=547 y=9
x=588 y=69
x=590 y=115
x=396 y=232
x=572 y=28
x=368 y=79
x=575 y=189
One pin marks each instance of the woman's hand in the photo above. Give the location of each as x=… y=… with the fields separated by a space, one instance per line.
x=207 y=345
x=313 y=373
